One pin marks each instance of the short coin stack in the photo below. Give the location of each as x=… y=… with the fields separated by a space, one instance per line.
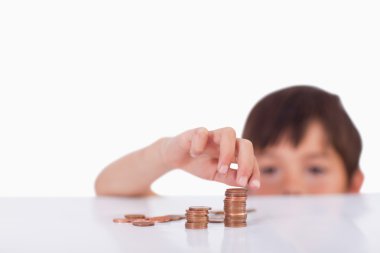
x=235 y=212
x=197 y=217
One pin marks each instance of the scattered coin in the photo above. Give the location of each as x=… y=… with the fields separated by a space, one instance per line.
x=122 y=220
x=134 y=216
x=175 y=217
x=160 y=219
x=143 y=223
x=220 y=212
x=216 y=219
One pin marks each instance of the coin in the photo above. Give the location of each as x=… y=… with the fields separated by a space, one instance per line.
x=199 y=208
x=197 y=219
x=160 y=219
x=122 y=220
x=134 y=216
x=235 y=225
x=236 y=198
x=143 y=223
x=175 y=217
x=216 y=219
x=195 y=226
x=237 y=189
x=196 y=214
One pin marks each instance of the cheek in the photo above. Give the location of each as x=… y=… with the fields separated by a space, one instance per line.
x=270 y=186
x=264 y=190
x=333 y=182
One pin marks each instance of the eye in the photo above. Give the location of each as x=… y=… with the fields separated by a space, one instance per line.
x=316 y=170
x=268 y=170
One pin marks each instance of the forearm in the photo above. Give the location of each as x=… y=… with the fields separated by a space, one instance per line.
x=133 y=174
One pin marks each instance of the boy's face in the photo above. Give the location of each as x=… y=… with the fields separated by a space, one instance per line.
x=313 y=167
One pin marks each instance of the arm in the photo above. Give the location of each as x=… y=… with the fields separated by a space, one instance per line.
x=203 y=153
x=132 y=174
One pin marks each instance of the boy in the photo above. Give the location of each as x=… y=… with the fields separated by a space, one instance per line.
x=300 y=137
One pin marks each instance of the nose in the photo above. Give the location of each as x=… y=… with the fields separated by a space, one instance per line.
x=292 y=184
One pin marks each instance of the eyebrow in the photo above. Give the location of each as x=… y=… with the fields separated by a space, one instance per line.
x=266 y=153
x=310 y=155
x=313 y=155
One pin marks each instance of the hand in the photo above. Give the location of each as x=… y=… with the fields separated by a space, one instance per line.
x=209 y=154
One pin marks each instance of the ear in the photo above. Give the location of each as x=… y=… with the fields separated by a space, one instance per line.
x=356 y=182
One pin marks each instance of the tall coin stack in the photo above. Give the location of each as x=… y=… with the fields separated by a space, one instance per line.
x=197 y=217
x=235 y=212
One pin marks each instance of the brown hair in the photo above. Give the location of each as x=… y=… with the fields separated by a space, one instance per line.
x=288 y=111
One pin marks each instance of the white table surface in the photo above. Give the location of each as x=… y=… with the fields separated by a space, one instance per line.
x=346 y=224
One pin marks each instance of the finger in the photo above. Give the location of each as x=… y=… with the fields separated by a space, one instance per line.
x=226 y=138
x=245 y=160
x=198 y=141
x=227 y=178
x=254 y=181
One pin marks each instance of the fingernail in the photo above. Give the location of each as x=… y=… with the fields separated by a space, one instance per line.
x=255 y=183
x=223 y=169
x=243 y=181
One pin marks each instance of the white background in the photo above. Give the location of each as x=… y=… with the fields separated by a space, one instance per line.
x=85 y=82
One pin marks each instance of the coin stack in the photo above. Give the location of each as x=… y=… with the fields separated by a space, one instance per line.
x=235 y=212
x=197 y=217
